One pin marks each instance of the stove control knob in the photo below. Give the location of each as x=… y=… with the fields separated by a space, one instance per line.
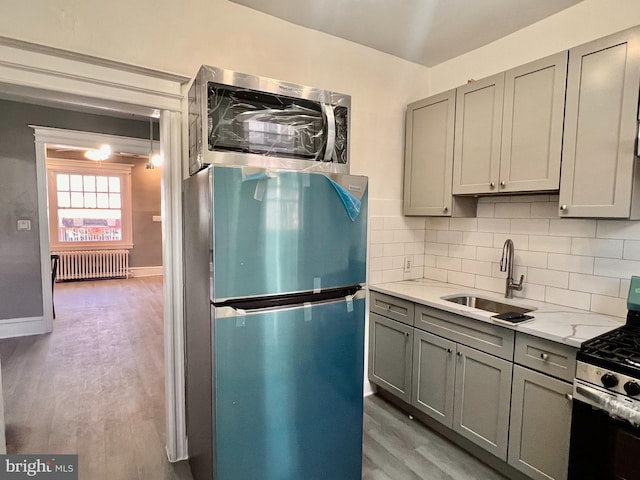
x=632 y=388
x=609 y=380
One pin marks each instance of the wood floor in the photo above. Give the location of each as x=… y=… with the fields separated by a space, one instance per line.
x=95 y=387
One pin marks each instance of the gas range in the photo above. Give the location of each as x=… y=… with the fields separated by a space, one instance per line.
x=608 y=371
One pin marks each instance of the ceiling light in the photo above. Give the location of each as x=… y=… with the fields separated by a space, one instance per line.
x=102 y=153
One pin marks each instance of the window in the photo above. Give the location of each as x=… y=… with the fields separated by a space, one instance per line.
x=89 y=204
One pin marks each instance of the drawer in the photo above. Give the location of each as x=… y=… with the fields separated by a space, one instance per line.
x=392 y=307
x=545 y=356
x=477 y=334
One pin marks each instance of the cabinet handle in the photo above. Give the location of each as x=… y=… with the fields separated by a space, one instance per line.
x=445 y=209
x=492 y=185
x=502 y=183
x=459 y=354
x=406 y=334
x=568 y=396
x=388 y=307
x=563 y=208
x=544 y=356
x=448 y=350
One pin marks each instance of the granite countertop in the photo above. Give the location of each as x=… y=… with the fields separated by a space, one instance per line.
x=565 y=325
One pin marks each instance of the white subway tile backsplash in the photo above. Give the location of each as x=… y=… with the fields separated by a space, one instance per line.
x=543 y=243
x=609 y=305
x=494 y=225
x=464 y=224
x=612 y=267
x=376 y=223
x=448 y=236
x=536 y=226
x=546 y=277
x=568 y=298
x=581 y=263
x=478 y=239
x=435 y=274
x=490 y=283
x=631 y=250
x=544 y=210
x=513 y=210
x=449 y=263
x=520 y=242
x=485 y=210
x=395 y=275
x=572 y=227
x=570 y=263
x=461 y=278
x=620 y=229
x=476 y=267
x=624 y=288
x=462 y=251
x=593 y=284
x=489 y=254
x=441 y=249
x=437 y=223
x=393 y=249
x=597 y=247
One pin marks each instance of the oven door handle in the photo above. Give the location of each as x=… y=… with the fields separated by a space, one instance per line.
x=608 y=403
x=331 y=131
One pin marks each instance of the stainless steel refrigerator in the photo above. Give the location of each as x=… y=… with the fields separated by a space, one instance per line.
x=274 y=265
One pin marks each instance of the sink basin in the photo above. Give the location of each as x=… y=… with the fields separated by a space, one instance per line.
x=486 y=304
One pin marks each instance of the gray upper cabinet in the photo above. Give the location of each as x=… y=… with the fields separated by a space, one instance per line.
x=509 y=130
x=601 y=118
x=532 y=125
x=540 y=425
x=476 y=153
x=482 y=399
x=390 y=355
x=428 y=163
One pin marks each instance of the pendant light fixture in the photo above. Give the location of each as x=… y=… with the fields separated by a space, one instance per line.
x=155 y=160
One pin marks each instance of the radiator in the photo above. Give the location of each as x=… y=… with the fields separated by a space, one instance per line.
x=85 y=264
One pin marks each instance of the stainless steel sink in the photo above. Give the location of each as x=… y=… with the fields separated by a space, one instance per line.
x=486 y=304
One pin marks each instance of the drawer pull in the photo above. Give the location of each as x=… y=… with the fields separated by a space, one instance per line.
x=568 y=396
x=544 y=356
x=388 y=307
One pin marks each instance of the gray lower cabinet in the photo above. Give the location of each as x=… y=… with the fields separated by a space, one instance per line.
x=482 y=399
x=434 y=371
x=540 y=425
x=464 y=389
x=390 y=355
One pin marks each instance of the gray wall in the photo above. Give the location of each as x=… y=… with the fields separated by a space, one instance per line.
x=20 y=282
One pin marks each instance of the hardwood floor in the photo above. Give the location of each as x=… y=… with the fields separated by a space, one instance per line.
x=95 y=387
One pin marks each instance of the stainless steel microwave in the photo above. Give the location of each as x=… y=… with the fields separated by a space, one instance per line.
x=242 y=119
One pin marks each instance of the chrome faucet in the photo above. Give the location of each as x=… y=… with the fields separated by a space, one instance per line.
x=506 y=265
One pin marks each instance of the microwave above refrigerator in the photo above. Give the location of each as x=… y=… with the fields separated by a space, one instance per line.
x=240 y=119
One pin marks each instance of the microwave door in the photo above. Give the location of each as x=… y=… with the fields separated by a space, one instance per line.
x=330 y=132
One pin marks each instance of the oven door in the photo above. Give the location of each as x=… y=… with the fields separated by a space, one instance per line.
x=603 y=447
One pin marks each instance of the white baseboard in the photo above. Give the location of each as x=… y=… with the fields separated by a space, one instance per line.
x=21 y=327
x=145 y=271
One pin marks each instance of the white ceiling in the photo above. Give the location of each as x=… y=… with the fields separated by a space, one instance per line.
x=428 y=32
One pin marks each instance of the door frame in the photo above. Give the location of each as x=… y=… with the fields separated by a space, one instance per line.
x=49 y=76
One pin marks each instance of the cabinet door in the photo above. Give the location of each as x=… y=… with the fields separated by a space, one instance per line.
x=428 y=157
x=540 y=425
x=433 y=376
x=476 y=153
x=532 y=125
x=482 y=398
x=600 y=127
x=390 y=355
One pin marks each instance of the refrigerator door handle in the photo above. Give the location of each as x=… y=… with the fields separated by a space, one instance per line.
x=330 y=132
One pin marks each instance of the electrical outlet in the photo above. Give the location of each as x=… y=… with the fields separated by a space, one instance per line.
x=408 y=263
